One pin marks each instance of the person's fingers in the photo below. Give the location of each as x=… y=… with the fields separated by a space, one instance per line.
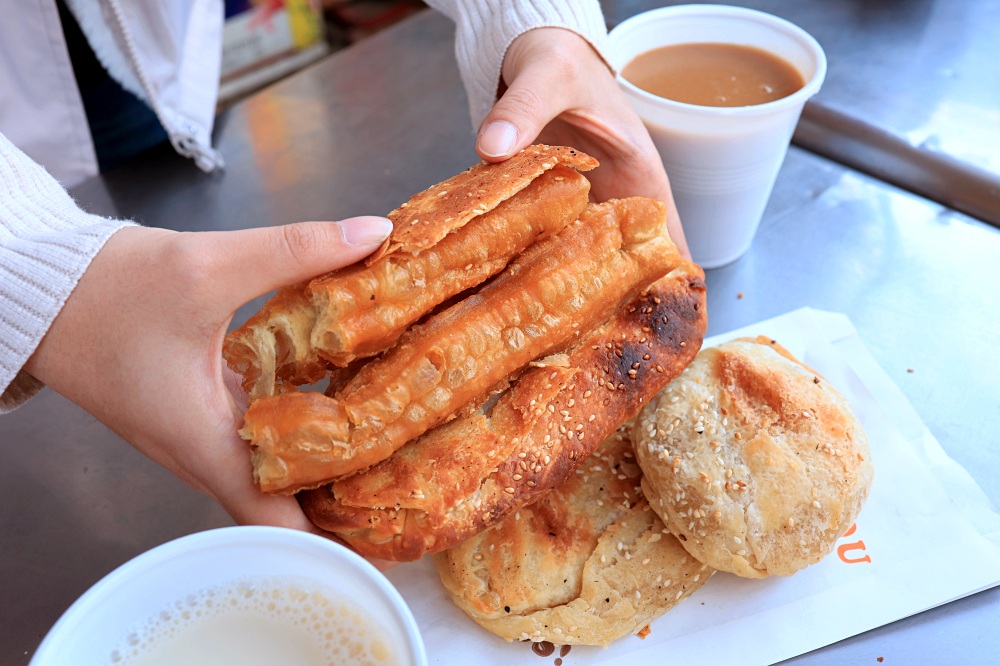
x=519 y=116
x=255 y=261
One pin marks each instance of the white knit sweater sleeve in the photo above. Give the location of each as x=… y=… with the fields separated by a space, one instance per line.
x=485 y=29
x=46 y=244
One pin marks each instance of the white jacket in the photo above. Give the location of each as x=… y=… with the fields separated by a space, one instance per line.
x=166 y=53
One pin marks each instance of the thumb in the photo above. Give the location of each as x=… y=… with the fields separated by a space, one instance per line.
x=517 y=118
x=253 y=262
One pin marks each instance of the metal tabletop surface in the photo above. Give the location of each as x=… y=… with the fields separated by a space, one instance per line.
x=363 y=130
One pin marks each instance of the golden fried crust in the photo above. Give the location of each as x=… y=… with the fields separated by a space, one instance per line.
x=272 y=349
x=768 y=461
x=558 y=288
x=587 y=563
x=362 y=310
x=437 y=211
x=472 y=472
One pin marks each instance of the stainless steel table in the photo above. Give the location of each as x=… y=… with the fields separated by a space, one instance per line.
x=366 y=128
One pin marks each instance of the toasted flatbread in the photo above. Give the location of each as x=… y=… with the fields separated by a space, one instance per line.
x=588 y=563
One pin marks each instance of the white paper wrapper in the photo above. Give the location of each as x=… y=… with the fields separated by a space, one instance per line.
x=926 y=536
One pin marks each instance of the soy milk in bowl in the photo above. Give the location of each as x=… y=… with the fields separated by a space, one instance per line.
x=246 y=595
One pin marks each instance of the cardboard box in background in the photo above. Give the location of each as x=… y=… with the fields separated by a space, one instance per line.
x=264 y=40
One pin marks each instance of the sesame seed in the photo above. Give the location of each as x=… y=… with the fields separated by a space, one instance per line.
x=509 y=490
x=816 y=504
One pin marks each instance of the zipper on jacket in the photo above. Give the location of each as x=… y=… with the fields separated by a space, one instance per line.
x=183 y=139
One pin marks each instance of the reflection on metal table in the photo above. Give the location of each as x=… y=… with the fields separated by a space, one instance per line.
x=371 y=125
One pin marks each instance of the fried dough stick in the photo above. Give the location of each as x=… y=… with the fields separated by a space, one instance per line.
x=447 y=239
x=474 y=471
x=557 y=289
x=366 y=311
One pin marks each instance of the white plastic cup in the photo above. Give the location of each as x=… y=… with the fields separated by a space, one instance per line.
x=99 y=622
x=722 y=161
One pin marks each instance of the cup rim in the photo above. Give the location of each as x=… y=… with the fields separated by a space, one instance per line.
x=799 y=97
x=146 y=563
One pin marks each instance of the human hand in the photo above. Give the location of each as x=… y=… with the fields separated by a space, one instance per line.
x=139 y=344
x=560 y=91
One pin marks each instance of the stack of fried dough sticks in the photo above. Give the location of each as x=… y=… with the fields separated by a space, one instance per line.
x=505 y=329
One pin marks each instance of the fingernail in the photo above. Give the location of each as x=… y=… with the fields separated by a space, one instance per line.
x=365 y=230
x=498 y=139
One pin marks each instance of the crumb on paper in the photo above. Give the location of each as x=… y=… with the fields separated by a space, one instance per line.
x=909 y=370
x=739 y=295
x=642 y=633
x=880 y=659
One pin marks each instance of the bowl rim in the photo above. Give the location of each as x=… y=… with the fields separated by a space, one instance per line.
x=144 y=564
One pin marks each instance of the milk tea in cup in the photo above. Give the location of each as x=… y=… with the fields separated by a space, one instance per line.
x=720 y=89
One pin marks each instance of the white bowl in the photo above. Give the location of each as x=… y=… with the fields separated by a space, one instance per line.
x=130 y=598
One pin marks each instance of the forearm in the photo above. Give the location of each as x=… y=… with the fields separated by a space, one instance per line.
x=46 y=243
x=486 y=28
